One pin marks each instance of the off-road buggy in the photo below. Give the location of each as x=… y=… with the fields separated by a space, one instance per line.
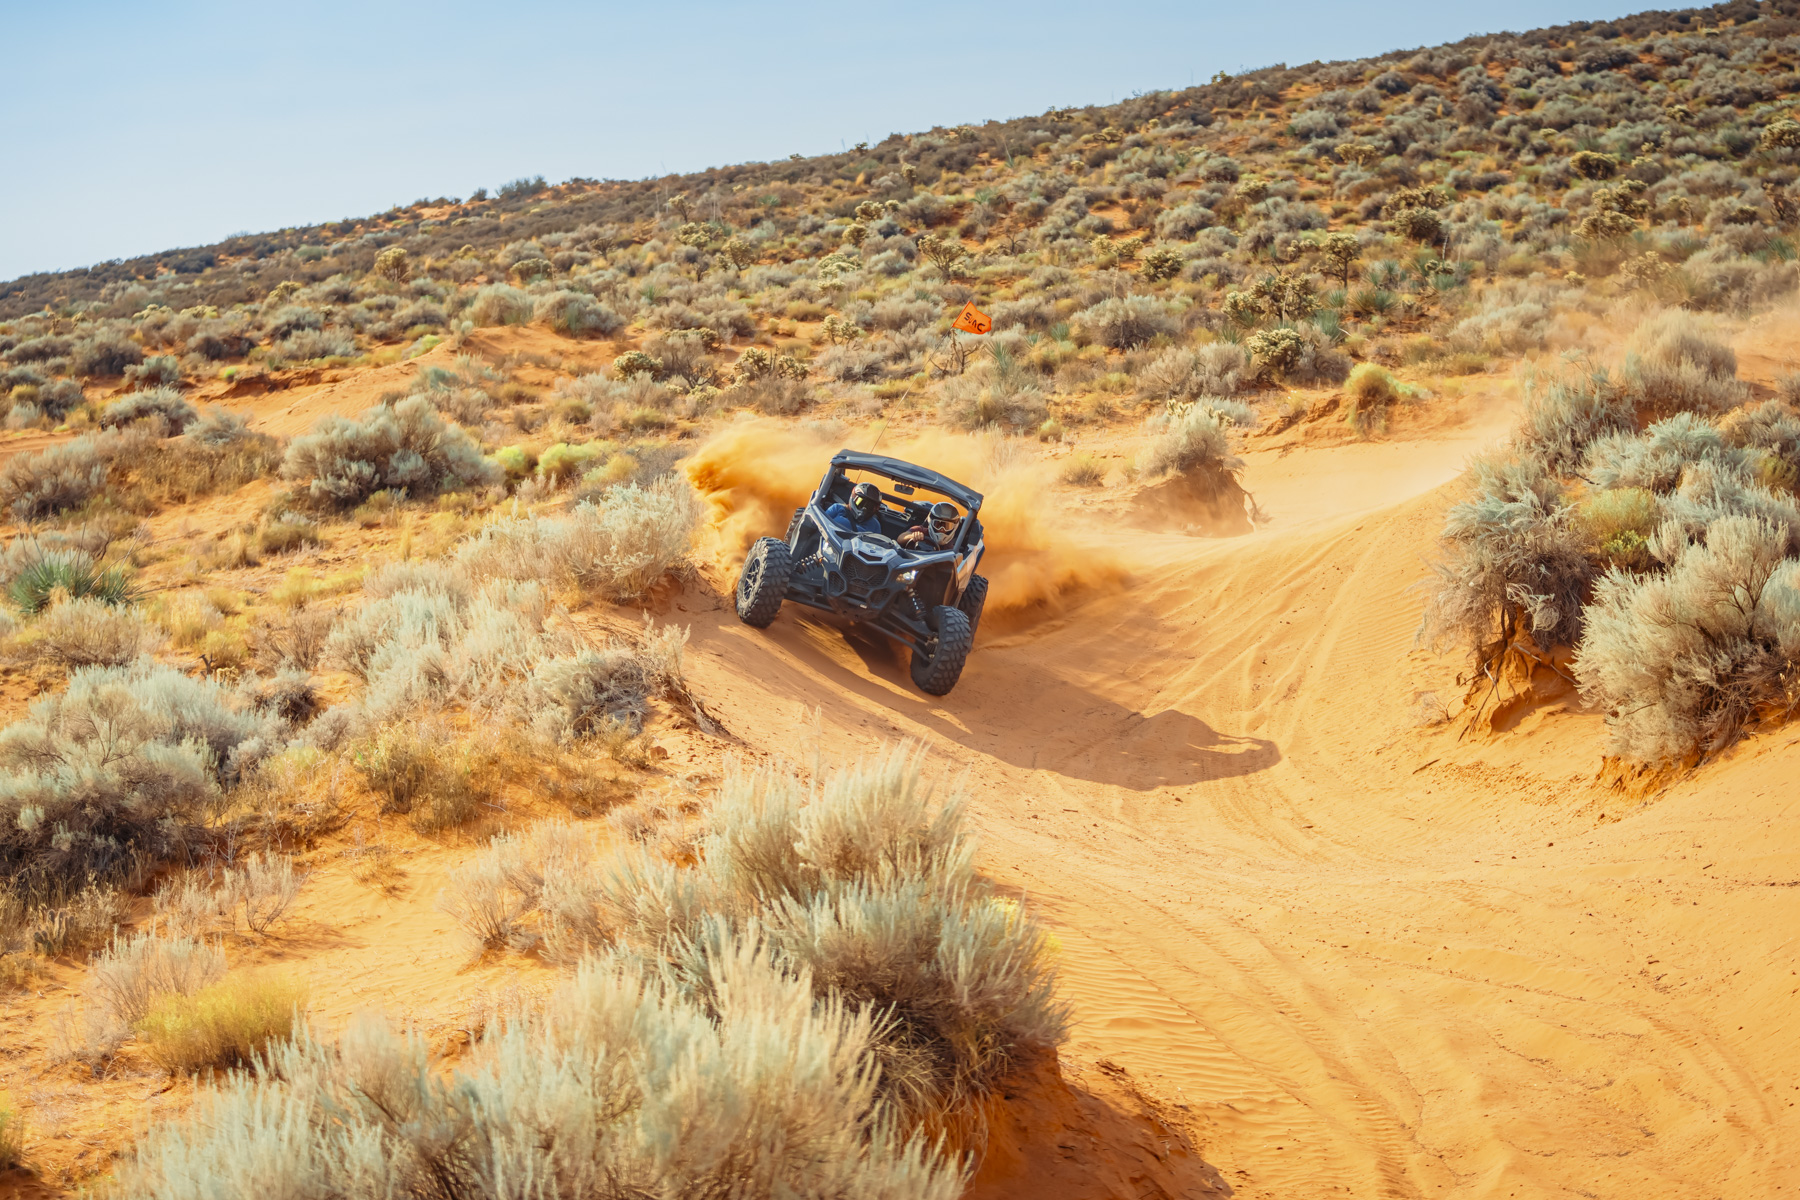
x=928 y=597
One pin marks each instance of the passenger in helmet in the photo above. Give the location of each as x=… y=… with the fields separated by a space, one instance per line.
x=860 y=515
x=938 y=531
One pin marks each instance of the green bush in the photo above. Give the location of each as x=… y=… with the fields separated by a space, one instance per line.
x=35 y=567
x=230 y=1024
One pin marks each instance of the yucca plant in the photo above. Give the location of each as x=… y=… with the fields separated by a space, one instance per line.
x=76 y=574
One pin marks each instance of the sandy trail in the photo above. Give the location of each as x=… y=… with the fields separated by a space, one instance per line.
x=1370 y=959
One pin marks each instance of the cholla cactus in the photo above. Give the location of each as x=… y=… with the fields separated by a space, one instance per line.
x=1419 y=224
x=1359 y=154
x=1242 y=308
x=869 y=210
x=1161 y=263
x=1783 y=134
x=1338 y=253
x=909 y=172
x=1253 y=188
x=945 y=253
x=1591 y=164
x=532 y=268
x=1276 y=351
x=392 y=263
x=1646 y=271
x=636 y=362
x=738 y=252
x=754 y=363
x=841 y=331
x=789 y=367
x=1606 y=225
x=856 y=235
x=694 y=234
x=281 y=293
x=706 y=335
x=1284 y=296
x=834 y=267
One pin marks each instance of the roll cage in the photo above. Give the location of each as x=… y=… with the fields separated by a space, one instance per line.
x=871 y=577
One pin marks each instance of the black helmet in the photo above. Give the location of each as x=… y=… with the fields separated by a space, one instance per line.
x=865 y=500
x=944 y=520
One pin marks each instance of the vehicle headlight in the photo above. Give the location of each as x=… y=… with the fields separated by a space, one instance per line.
x=907 y=576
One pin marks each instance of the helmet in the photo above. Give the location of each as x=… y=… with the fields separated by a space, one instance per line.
x=865 y=501
x=944 y=520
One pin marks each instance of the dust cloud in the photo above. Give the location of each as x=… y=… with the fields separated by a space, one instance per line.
x=754 y=474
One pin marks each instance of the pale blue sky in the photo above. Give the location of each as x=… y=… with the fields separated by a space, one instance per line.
x=137 y=128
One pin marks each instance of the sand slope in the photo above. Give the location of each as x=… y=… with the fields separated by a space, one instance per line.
x=1359 y=956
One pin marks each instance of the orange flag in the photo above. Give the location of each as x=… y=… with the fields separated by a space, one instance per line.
x=972 y=320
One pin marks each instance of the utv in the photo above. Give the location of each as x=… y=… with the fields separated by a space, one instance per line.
x=928 y=597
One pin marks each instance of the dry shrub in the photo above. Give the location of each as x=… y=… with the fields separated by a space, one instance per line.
x=618 y=547
x=1674 y=364
x=218 y=453
x=126 y=980
x=229 y=1024
x=1564 y=415
x=12 y=1137
x=90 y=632
x=1368 y=394
x=1681 y=662
x=1217 y=369
x=1125 y=321
x=1083 y=470
x=599 y=693
x=420 y=772
x=54 y=480
x=116 y=772
x=630 y=1084
x=1515 y=567
x=1196 y=442
x=406 y=447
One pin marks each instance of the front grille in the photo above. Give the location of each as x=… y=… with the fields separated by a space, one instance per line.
x=863 y=574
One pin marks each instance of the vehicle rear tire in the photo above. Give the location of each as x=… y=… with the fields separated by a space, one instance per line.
x=936 y=673
x=793 y=526
x=762 y=585
x=972 y=601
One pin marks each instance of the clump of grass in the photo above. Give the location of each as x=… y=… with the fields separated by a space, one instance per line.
x=225 y=1025
x=1368 y=394
x=1083 y=470
x=12 y=1136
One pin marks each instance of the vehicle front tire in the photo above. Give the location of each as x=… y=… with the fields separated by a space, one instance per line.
x=972 y=601
x=936 y=673
x=762 y=585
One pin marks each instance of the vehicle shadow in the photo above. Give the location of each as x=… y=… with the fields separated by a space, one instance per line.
x=1024 y=713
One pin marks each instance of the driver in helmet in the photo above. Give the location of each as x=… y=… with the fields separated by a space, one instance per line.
x=938 y=531
x=860 y=515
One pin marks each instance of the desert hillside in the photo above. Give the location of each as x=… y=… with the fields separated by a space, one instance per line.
x=1371 y=776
